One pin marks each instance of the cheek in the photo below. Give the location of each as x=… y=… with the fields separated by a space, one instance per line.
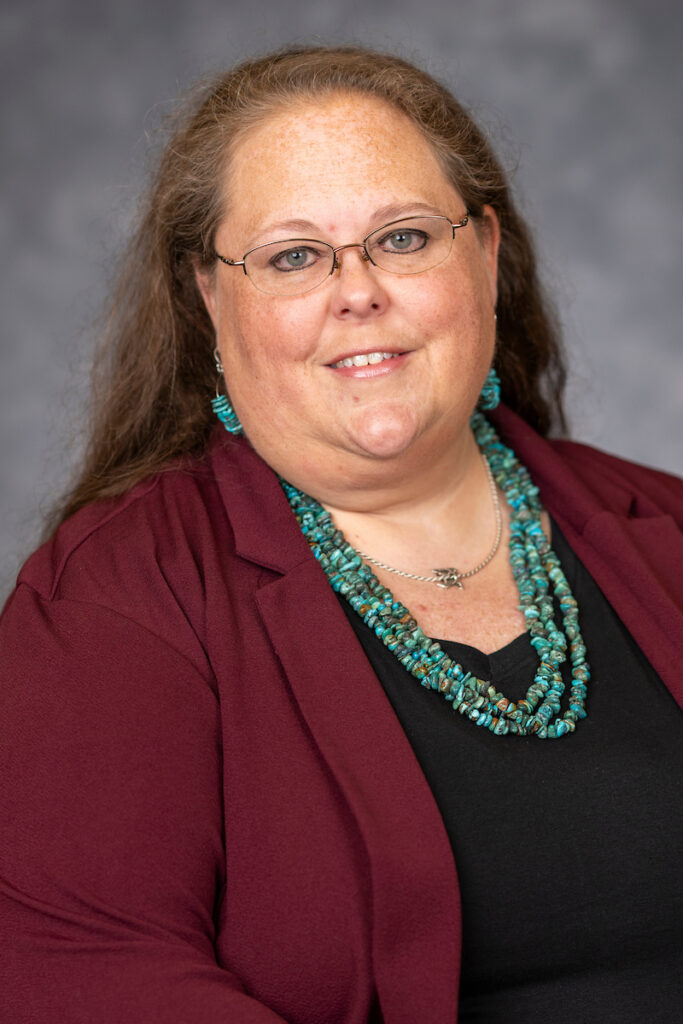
x=443 y=305
x=262 y=335
x=466 y=296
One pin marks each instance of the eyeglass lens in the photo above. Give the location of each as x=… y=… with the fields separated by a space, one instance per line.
x=297 y=265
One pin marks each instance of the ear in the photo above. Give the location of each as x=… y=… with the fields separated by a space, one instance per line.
x=206 y=282
x=489 y=237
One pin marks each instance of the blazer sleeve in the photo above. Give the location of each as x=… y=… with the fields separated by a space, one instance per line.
x=111 y=832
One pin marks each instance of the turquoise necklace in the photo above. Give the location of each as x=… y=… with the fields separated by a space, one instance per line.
x=538 y=576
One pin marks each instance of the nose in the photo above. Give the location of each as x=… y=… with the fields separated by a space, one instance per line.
x=358 y=293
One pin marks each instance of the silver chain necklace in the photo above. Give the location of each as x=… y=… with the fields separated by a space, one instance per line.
x=446 y=578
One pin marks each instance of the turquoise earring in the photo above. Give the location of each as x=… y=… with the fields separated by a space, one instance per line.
x=490 y=393
x=221 y=403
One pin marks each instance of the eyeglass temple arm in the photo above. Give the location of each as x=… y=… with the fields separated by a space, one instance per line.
x=460 y=223
x=229 y=262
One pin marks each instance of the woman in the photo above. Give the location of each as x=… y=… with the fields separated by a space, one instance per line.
x=228 y=798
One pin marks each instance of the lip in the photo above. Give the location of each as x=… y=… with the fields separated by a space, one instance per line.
x=371 y=369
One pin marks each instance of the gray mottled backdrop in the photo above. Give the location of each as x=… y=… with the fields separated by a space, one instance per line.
x=583 y=98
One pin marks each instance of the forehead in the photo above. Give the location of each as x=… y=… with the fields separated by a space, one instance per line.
x=340 y=157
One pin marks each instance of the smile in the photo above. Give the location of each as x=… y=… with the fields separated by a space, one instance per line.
x=367 y=359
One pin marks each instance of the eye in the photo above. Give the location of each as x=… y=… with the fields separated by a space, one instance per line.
x=299 y=257
x=402 y=240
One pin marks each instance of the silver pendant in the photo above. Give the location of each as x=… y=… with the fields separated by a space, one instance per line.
x=448 y=578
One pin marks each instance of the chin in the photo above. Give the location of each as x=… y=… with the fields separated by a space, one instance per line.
x=384 y=437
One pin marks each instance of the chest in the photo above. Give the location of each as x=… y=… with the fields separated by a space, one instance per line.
x=484 y=616
x=484 y=613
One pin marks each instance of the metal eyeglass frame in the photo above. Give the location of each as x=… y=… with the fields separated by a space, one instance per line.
x=339 y=248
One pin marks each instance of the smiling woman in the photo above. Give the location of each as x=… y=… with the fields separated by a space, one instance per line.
x=225 y=797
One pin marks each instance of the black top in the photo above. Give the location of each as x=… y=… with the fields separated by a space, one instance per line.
x=569 y=852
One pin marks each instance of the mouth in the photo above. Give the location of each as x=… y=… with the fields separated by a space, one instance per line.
x=365 y=359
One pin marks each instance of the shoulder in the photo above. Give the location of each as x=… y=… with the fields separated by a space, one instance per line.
x=148 y=558
x=649 y=491
x=122 y=539
x=574 y=474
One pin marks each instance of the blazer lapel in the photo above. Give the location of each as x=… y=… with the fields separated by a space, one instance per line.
x=416 y=924
x=415 y=896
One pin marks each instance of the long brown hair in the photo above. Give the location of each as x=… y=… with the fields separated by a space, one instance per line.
x=154 y=371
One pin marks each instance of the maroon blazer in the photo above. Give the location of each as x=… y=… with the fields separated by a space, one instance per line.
x=199 y=821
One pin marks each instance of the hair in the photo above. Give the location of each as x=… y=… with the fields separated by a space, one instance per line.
x=154 y=373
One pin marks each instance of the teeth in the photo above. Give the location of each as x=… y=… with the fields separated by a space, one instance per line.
x=364 y=360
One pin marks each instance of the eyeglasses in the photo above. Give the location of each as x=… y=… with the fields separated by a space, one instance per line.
x=295 y=266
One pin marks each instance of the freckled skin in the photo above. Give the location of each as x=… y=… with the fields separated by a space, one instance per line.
x=334 y=163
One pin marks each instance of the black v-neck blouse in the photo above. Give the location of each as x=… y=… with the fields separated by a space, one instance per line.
x=569 y=852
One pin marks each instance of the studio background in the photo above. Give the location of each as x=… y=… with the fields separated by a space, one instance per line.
x=582 y=98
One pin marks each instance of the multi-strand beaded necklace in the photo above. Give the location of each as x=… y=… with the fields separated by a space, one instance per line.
x=536 y=570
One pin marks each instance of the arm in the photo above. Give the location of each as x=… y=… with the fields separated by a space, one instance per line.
x=111 y=837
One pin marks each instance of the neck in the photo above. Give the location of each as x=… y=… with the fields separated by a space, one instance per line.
x=422 y=512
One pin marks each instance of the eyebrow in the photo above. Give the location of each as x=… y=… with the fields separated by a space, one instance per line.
x=383 y=215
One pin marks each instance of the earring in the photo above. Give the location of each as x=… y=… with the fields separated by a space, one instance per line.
x=221 y=403
x=490 y=393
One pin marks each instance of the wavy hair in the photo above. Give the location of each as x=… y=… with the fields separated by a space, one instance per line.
x=154 y=370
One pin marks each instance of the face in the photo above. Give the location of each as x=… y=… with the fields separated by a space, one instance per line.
x=335 y=170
